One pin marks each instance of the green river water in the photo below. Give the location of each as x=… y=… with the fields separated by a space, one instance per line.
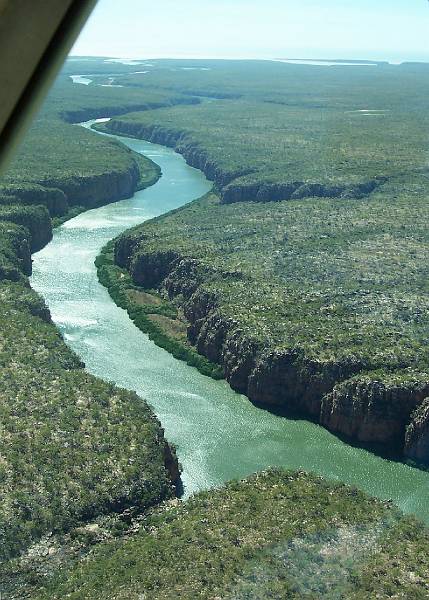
x=219 y=434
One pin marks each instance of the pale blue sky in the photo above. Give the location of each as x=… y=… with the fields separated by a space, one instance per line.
x=369 y=29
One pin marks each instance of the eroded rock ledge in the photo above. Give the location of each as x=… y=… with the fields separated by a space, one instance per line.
x=337 y=394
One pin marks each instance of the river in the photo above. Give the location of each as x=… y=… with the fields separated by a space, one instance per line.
x=218 y=433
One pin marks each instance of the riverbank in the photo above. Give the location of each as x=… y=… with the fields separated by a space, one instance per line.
x=151 y=314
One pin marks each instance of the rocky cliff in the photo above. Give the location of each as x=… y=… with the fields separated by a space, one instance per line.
x=95 y=190
x=194 y=155
x=417 y=433
x=272 y=192
x=86 y=113
x=35 y=219
x=231 y=188
x=53 y=198
x=373 y=411
x=364 y=409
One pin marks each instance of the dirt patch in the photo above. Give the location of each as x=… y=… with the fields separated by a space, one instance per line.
x=174 y=328
x=143 y=298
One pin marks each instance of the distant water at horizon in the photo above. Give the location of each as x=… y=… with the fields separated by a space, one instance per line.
x=320 y=61
x=327 y=63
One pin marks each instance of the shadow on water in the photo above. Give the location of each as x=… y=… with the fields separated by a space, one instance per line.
x=385 y=451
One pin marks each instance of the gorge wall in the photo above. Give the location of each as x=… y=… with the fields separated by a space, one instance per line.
x=231 y=188
x=336 y=394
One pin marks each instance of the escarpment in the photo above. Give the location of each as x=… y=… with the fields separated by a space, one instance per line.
x=417 y=433
x=86 y=113
x=194 y=155
x=373 y=411
x=333 y=393
x=30 y=199
x=35 y=219
x=15 y=253
x=32 y=206
x=231 y=188
x=274 y=192
x=94 y=190
x=47 y=195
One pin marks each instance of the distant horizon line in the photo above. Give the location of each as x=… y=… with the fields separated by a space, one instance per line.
x=262 y=58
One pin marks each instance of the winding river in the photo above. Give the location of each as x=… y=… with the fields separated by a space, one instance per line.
x=219 y=434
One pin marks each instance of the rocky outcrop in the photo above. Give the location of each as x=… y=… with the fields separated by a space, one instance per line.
x=95 y=190
x=232 y=190
x=32 y=205
x=125 y=247
x=372 y=411
x=149 y=269
x=417 y=434
x=15 y=253
x=35 y=219
x=331 y=392
x=53 y=198
x=290 y=380
x=275 y=192
x=171 y=463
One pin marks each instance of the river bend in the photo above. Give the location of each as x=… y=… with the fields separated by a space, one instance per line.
x=218 y=433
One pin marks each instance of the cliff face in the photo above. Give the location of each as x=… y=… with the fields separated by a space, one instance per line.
x=33 y=194
x=271 y=192
x=331 y=393
x=370 y=411
x=15 y=253
x=171 y=463
x=417 y=434
x=32 y=205
x=231 y=190
x=92 y=191
x=35 y=219
x=194 y=155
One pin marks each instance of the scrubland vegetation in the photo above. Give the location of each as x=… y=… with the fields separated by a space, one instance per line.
x=342 y=133
x=275 y=535
x=72 y=446
x=352 y=285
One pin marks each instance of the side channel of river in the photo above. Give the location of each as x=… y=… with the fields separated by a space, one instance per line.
x=219 y=434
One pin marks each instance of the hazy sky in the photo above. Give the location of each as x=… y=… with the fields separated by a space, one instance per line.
x=377 y=29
